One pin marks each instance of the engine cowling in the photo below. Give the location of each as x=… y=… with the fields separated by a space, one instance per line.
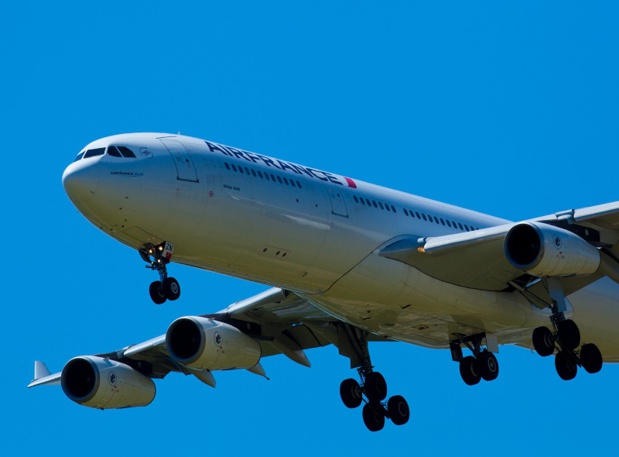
x=544 y=250
x=105 y=384
x=207 y=344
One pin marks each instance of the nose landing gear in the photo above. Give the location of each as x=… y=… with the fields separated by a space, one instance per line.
x=157 y=258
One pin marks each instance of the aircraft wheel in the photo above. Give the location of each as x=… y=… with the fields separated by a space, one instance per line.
x=591 y=358
x=156 y=293
x=566 y=366
x=373 y=417
x=543 y=341
x=487 y=366
x=398 y=410
x=171 y=289
x=569 y=335
x=350 y=391
x=467 y=371
x=375 y=387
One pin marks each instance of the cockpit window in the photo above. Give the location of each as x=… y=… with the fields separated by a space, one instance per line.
x=111 y=150
x=94 y=152
x=79 y=156
x=126 y=152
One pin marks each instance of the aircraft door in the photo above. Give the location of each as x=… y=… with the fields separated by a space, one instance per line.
x=185 y=168
x=338 y=205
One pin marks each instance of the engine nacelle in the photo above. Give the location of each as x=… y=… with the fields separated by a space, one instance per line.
x=105 y=384
x=207 y=344
x=544 y=250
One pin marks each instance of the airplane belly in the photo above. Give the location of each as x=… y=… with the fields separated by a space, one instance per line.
x=596 y=310
x=394 y=300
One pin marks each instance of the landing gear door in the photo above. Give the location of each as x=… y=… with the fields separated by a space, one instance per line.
x=185 y=168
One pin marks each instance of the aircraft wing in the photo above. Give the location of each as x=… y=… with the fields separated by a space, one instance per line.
x=479 y=259
x=280 y=321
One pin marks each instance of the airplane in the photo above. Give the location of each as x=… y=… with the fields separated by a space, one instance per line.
x=347 y=263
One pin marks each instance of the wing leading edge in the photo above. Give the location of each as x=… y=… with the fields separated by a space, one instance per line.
x=481 y=259
x=279 y=321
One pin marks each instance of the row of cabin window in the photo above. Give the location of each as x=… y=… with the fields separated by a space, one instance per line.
x=375 y=204
x=265 y=175
x=440 y=220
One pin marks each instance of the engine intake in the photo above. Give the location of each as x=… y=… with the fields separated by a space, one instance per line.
x=105 y=384
x=544 y=250
x=207 y=344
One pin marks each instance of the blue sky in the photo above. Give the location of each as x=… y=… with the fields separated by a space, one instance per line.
x=509 y=108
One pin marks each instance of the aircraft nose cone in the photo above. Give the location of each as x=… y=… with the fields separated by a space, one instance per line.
x=81 y=181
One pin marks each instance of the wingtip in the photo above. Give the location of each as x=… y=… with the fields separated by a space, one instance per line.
x=40 y=370
x=42 y=376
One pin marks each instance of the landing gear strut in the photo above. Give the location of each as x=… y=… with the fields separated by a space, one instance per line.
x=372 y=390
x=565 y=339
x=481 y=365
x=157 y=257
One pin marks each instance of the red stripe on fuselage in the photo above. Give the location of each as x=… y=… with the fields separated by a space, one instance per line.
x=351 y=183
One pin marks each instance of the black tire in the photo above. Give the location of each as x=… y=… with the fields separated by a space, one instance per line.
x=398 y=410
x=171 y=289
x=487 y=366
x=467 y=371
x=373 y=417
x=156 y=293
x=375 y=387
x=569 y=335
x=591 y=358
x=350 y=391
x=543 y=341
x=566 y=366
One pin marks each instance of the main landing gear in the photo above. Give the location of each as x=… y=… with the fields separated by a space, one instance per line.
x=565 y=339
x=157 y=257
x=372 y=390
x=483 y=364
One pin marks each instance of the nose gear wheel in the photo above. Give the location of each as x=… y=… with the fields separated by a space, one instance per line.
x=157 y=257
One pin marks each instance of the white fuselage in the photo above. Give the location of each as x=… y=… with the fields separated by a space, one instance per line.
x=313 y=232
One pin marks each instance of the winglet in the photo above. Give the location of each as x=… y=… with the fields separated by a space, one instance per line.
x=40 y=370
x=42 y=376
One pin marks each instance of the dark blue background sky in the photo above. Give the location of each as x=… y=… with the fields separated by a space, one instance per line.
x=506 y=108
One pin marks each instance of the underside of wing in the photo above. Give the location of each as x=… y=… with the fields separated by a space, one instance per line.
x=577 y=246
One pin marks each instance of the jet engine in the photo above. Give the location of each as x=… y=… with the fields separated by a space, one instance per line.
x=207 y=344
x=544 y=250
x=105 y=384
